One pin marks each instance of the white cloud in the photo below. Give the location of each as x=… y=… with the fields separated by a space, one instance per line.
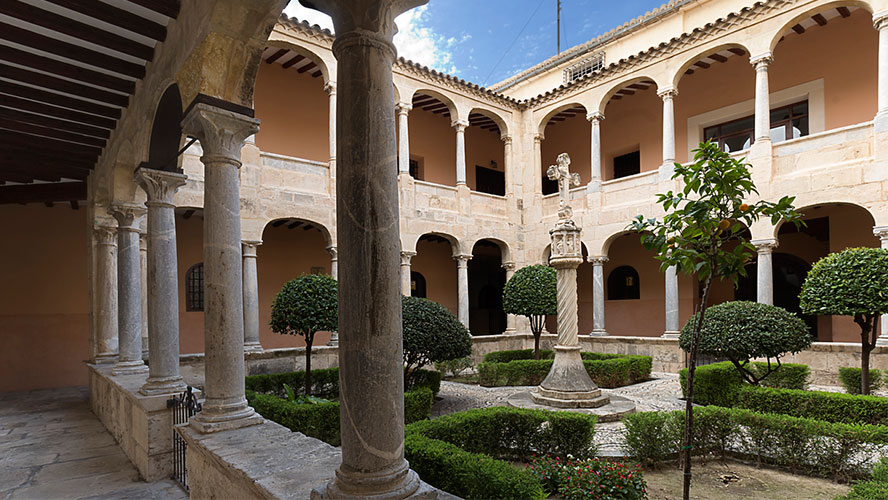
x=416 y=39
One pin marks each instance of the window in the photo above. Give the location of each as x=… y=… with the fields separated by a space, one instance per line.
x=413 y=169
x=194 y=288
x=627 y=164
x=549 y=186
x=417 y=285
x=787 y=122
x=490 y=181
x=585 y=67
x=622 y=284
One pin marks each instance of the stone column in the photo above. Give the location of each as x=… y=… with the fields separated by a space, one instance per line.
x=595 y=119
x=880 y=23
x=511 y=319
x=672 y=327
x=462 y=287
x=106 y=293
x=598 y=294
x=143 y=262
x=403 y=110
x=405 y=272
x=221 y=134
x=764 y=279
x=129 y=290
x=460 y=126
x=334 y=261
x=371 y=368
x=330 y=88
x=668 y=95
x=507 y=164
x=538 y=163
x=163 y=281
x=762 y=97
x=251 y=297
x=881 y=232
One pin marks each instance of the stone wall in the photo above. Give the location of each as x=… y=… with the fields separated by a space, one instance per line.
x=282 y=360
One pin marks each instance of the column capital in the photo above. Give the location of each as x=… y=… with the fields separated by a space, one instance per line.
x=330 y=88
x=365 y=18
x=597 y=260
x=460 y=125
x=221 y=132
x=128 y=215
x=160 y=185
x=881 y=232
x=761 y=61
x=765 y=245
x=403 y=108
x=595 y=116
x=667 y=93
x=406 y=256
x=462 y=259
x=539 y=137
x=333 y=251
x=106 y=233
x=509 y=266
x=143 y=241
x=249 y=247
x=507 y=139
x=879 y=20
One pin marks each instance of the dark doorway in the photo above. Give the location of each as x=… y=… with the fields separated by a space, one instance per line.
x=486 y=281
x=417 y=285
x=490 y=181
x=789 y=273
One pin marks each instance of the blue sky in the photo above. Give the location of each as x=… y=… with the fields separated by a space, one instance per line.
x=486 y=41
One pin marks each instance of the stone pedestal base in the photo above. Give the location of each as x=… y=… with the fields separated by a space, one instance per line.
x=166 y=385
x=573 y=399
x=598 y=333
x=129 y=368
x=104 y=359
x=208 y=422
x=882 y=341
x=614 y=410
x=671 y=335
x=376 y=487
x=568 y=384
x=253 y=347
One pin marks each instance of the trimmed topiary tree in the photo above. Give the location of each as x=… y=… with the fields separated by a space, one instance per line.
x=532 y=292
x=304 y=306
x=742 y=330
x=431 y=334
x=851 y=283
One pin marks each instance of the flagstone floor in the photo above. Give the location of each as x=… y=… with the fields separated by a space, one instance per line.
x=52 y=446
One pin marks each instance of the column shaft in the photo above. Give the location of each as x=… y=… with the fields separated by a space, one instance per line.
x=880 y=22
x=221 y=134
x=251 y=297
x=106 y=294
x=595 y=119
x=462 y=284
x=405 y=273
x=163 y=282
x=764 y=278
x=668 y=96
x=881 y=232
x=598 y=327
x=334 y=261
x=538 y=163
x=507 y=165
x=143 y=261
x=330 y=87
x=672 y=325
x=403 y=138
x=129 y=291
x=460 y=127
x=511 y=319
x=762 y=97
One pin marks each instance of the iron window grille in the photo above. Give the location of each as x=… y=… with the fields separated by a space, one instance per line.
x=587 y=66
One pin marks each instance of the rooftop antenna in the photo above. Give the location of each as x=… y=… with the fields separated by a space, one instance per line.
x=558 y=25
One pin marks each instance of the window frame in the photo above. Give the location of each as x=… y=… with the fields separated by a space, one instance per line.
x=194 y=299
x=786 y=123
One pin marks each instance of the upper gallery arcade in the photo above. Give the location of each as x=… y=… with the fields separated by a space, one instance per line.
x=798 y=88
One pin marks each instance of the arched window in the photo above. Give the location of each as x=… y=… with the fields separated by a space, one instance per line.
x=622 y=284
x=194 y=288
x=417 y=285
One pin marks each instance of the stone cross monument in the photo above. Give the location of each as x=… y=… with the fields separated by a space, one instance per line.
x=568 y=384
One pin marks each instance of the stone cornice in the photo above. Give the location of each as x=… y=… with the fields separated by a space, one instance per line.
x=710 y=30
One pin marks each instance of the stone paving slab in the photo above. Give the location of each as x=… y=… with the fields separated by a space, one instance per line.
x=52 y=446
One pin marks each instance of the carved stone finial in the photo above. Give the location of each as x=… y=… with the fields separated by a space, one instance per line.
x=560 y=172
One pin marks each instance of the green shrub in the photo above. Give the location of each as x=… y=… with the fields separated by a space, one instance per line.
x=652 y=437
x=589 y=479
x=606 y=370
x=462 y=453
x=874 y=489
x=717 y=384
x=788 y=376
x=531 y=292
x=506 y=356
x=454 y=367
x=418 y=404
x=431 y=334
x=850 y=378
x=827 y=406
x=325 y=383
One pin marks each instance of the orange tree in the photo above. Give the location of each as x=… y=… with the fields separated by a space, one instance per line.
x=710 y=211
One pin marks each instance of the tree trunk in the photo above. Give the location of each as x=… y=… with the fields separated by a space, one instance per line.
x=866 y=327
x=536 y=327
x=687 y=441
x=309 y=340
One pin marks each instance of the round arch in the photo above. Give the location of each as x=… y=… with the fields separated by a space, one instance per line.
x=505 y=252
x=807 y=208
x=299 y=222
x=166 y=131
x=622 y=84
x=541 y=125
x=777 y=35
x=451 y=106
x=304 y=52
x=453 y=240
x=489 y=113
x=732 y=48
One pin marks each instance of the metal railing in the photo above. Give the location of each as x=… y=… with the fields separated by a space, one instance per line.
x=183 y=408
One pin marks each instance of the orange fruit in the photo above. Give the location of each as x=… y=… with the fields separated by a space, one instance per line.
x=724 y=224
x=744 y=207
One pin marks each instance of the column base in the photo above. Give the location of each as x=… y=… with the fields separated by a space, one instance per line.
x=396 y=484
x=145 y=355
x=882 y=341
x=671 y=334
x=510 y=331
x=593 y=186
x=103 y=359
x=880 y=121
x=562 y=399
x=568 y=384
x=253 y=347
x=598 y=333
x=162 y=385
x=129 y=367
x=224 y=418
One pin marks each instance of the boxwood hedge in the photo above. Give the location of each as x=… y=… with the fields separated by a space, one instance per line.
x=718 y=383
x=509 y=368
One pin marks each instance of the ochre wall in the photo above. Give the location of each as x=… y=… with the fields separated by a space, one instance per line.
x=434 y=260
x=647 y=315
x=633 y=123
x=482 y=146
x=189 y=248
x=574 y=137
x=295 y=113
x=433 y=142
x=44 y=321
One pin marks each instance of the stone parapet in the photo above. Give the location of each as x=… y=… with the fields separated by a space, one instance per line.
x=281 y=360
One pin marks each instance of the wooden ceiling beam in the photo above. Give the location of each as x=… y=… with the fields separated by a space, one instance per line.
x=737 y=51
x=188 y=213
x=76 y=29
x=843 y=11
x=434 y=106
x=70 y=51
x=442 y=110
x=24 y=117
x=81 y=151
x=169 y=8
x=718 y=57
x=294 y=224
x=277 y=55
x=62 y=101
x=626 y=92
x=798 y=28
x=701 y=64
x=638 y=86
x=13 y=177
x=306 y=67
x=35 y=158
x=61 y=85
x=55 y=111
x=116 y=16
x=279 y=223
x=41 y=172
x=71 y=71
x=41 y=193
x=295 y=60
x=37 y=130
x=317 y=73
x=819 y=19
x=22 y=149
